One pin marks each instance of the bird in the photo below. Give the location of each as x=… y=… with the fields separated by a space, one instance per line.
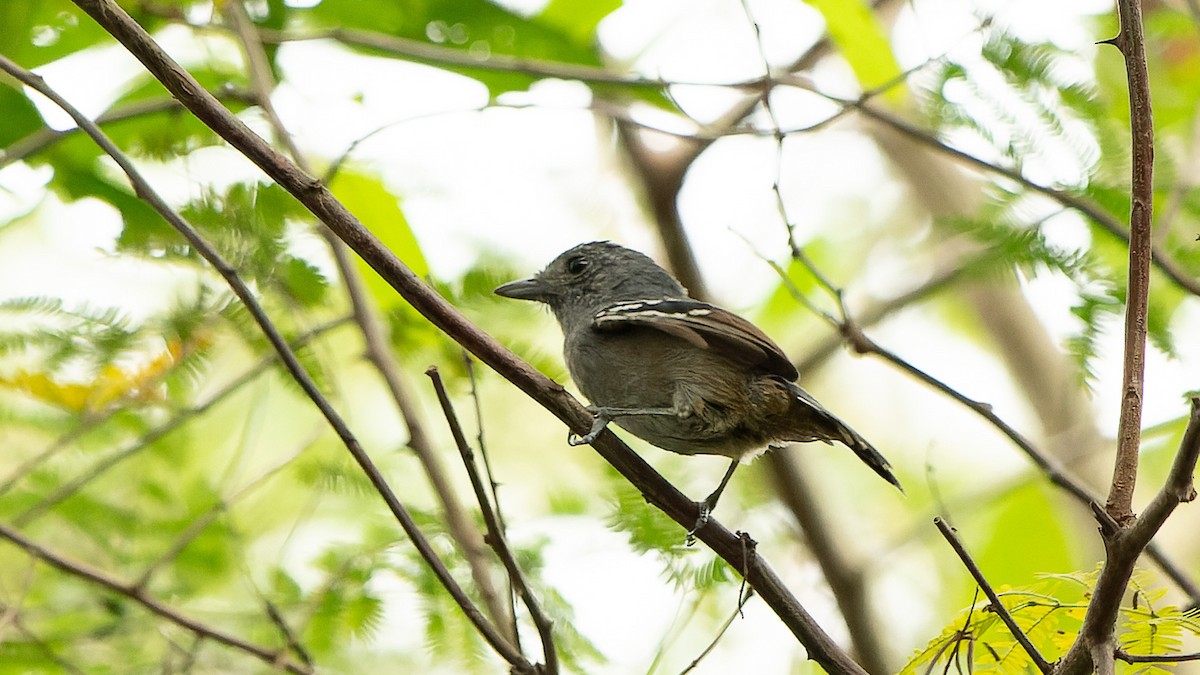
x=684 y=375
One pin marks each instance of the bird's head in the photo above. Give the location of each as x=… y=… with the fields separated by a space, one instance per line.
x=589 y=277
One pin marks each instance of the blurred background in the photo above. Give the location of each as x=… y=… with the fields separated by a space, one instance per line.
x=955 y=172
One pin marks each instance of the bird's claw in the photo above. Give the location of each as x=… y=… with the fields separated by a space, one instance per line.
x=701 y=521
x=598 y=423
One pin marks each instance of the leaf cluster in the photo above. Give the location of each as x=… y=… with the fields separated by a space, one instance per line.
x=1050 y=613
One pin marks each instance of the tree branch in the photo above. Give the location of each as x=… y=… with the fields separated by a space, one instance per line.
x=1137 y=299
x=45 y=137
x=997 y=606
x=378 y=353
x=77 y=569
x=314 y=196
x=424 y=52
x=1125 y=656
x=1123 y=546
x=495 y=532
x=286 y=354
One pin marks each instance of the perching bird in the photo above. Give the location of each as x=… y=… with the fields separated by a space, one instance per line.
x=684 y=375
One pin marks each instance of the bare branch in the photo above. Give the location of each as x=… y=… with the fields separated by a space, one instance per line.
x=997 y=606
x=1179 y=487
x=1125 y=656
x=138 y=595
x=424 y=52
x=742 y=600
x=1137 y=298
x=286 y=354
x=11 y=616
x=46 y=137
x=379 y=355
x=1123 y=547
x=495 y=533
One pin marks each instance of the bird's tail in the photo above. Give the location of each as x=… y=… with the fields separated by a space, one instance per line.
x=838 y=430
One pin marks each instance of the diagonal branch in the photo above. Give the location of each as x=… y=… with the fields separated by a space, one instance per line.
x=286 y=354
x=45 y=137
x=378 y=353
x=495 y=532
x=314 y=196
x=1058 y=476
x=424 y=52
x=138 y=595
x=1092 y=210
x=997 y=606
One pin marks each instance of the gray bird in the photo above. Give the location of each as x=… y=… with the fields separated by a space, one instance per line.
x=684 y=375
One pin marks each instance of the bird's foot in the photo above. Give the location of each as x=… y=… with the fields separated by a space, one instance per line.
x=603 y=415
x=701 y=521
x=600 y=421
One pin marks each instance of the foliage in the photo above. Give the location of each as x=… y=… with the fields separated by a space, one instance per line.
x=1050 y=613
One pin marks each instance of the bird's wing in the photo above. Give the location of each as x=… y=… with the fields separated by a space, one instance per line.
x=703 y=325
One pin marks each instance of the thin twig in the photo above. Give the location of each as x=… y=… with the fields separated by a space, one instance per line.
x=424 y=52
x=11 y=616
x=720 y=633
x=289 y=635
x=201 y=523
x=954 y=642
x=495 y=534
x=469 y=364
x=147 y=439
x=493 y=485
x=997 y=606
x=1125 y=656
x=1160 y=258
x=1049 y=467
x=138 y=595
x=1179 y=487
x=845 y=579
x=143 y=189
x=45 y=137
x=379 y=355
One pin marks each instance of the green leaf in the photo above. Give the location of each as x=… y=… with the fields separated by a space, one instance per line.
x=862 y=41
x=577 y=19
x=36 y=33
x=1024 y=522
x=476 y=27
x=19 y=114
x=380 y=211
x=650 y=530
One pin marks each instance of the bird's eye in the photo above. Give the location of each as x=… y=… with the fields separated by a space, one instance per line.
x=577 y=264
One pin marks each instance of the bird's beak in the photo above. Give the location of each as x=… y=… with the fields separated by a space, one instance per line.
x=525 y=289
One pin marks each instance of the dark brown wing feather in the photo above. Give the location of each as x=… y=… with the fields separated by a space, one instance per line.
x=703 y=325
